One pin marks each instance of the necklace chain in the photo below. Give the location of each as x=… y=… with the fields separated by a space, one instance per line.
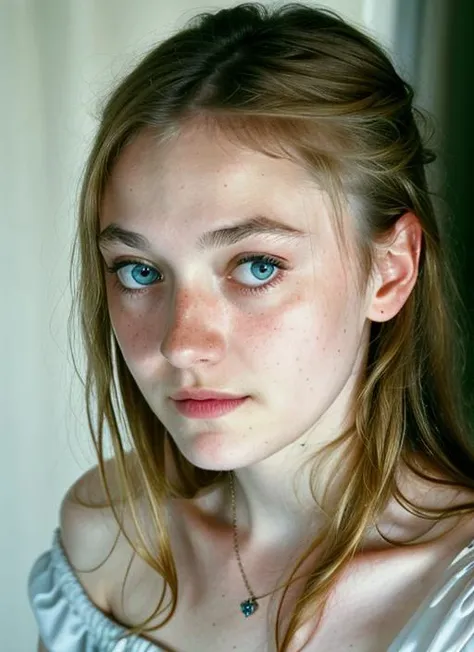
x=236 y=541
x=249 y=606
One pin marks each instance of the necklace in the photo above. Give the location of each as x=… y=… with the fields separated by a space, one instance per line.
x=249 y=606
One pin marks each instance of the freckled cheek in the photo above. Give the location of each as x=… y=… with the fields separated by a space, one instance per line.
x=136 y=327
x=270 y=330
x=304 y=327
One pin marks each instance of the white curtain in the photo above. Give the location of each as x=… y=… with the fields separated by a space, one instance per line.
x=57 y=59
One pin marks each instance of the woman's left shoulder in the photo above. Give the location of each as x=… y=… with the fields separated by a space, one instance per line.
x=451 y=507
x=460 y=527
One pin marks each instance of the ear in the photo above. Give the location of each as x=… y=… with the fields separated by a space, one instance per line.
x=395 y=268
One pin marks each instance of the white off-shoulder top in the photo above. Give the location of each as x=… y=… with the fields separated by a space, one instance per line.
x=69 y=622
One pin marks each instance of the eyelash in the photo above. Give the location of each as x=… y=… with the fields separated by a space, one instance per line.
x=260 y=258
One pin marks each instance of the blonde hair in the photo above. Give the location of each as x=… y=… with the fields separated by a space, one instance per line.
x=296 y=82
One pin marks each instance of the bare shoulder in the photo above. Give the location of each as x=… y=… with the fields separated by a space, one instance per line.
x=465 y=497
x=90 y=534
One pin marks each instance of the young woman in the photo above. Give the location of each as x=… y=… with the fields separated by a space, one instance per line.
x=266 y=310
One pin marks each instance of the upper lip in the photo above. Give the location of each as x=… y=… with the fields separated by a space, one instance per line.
x=202 y=395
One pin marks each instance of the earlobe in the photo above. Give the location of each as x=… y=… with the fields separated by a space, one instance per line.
x=396 y=268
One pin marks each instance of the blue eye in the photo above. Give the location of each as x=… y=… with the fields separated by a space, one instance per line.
x=139 y=273
x=261 y=267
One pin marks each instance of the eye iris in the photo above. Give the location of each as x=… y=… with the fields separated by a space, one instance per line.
x=261 y=268
x=142 y=273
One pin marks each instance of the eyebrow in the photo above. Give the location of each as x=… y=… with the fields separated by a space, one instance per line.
x=224 y=237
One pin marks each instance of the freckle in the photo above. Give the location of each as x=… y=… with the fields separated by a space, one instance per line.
x=339 y=350
x=213 y=624
x=345 y=330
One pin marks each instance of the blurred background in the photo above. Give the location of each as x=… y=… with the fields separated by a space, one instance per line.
x=58 y=58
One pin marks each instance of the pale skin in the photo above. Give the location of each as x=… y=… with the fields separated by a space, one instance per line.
x=299 y=344
x=295 y=349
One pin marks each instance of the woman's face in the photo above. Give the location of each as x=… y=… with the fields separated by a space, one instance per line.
x=288 y=331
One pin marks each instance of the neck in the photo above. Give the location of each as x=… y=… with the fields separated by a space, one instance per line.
x=278 y=501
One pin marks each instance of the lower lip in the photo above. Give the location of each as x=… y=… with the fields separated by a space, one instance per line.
x=208 y=409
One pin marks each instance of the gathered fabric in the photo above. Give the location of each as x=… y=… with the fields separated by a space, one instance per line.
x=67 y=618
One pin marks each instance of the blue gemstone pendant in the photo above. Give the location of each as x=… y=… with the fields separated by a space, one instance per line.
x=249 y=607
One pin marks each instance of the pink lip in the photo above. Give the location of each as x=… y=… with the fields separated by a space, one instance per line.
x=207 y=408
x=203 y=394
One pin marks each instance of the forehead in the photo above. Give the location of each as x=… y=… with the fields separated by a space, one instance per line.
x=200 y=176
x=200 y=155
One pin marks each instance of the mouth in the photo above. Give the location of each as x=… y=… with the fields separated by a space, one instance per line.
x=210 y=408
x=200 y=394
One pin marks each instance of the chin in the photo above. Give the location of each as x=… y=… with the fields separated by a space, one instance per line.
x=213 y=451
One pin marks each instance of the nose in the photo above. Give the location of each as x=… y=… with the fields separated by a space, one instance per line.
x=195 y=330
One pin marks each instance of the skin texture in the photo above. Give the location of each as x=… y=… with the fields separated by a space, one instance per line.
x=296 y=348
